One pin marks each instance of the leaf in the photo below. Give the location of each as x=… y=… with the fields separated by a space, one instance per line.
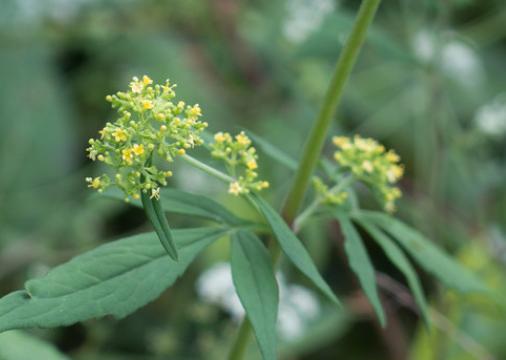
x=18 y=345
x=256 y=286
x=114 y=279
x=182 y=202
x=292 y=247
x=400 y=261
x=428 y=255
x=361 y=265
x=272 y=151
x=157 y=218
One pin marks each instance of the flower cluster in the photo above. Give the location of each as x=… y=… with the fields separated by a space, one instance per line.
x=240 y=160
x=149 y=126
x=328 y=196
x=370 y=163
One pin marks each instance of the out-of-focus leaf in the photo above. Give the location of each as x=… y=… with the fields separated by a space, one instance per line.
x=37 y=136
x=18 y=345
x=273 y=152
x=361 y=265
x=428 y=255
x=292 y=247
x=114 y=279
x=182 y=202
x=256 y=286
x=400 y=260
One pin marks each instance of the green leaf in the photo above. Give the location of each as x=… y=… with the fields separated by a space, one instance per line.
x=157 y=219
x=182 y=202
x=18 y=345
x=114 y=279
x=293 y=247
x=428 y=255
x=256 y=286
x=361 y=265
x=272 y=151
x=400 y=260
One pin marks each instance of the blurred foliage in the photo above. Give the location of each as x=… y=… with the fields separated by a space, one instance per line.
x=428 y=84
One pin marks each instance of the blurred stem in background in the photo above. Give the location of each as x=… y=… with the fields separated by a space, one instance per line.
x=314 y=145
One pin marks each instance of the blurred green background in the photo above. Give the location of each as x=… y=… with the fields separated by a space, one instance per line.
x=430 y=83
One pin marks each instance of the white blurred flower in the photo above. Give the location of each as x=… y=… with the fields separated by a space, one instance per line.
x=491 y=117
x=304 y=17
x=461 y=62
x=457 y=59
x=215 y=286
x=424 y=46
x=298 y=306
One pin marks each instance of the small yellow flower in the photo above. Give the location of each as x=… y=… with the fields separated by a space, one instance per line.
x=367 y=145
x=147 y=104
x=394 y=173
x=390 y=207
x=195 y=111
x=160 y=116
x=341 y=141
x=119 y=135
x=221 y=137
x=252 y=164
x=235 y=188
x=136 y=196
x=264 y=185
x=181 y=151
x=94 y=183
x=392 y=156
x=367 y=166
x=136 y=86
x=146 y=80
x=127 y=155
x=242 y=139
x=138 y=149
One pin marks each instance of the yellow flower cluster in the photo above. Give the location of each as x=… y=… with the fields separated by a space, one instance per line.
x=370 y=163
x=326 y=195
x=240 y=160
x=150 y=126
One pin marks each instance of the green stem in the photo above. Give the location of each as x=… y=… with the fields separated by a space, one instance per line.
x=333 y=96
x=241 y=342
x=309 y=211
x=206 y=168
x=314 y=145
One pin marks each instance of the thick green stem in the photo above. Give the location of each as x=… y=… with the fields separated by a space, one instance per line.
x=241 y=342
x=314 y=145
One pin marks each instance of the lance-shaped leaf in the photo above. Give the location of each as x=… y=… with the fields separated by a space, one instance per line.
x=18 y=345
x=293 y=247
x=256 y=286
x=397 y=257
x=427 y=254
x=361 y=265
x=185 y=203
x=114 y=279
x=157 y=218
